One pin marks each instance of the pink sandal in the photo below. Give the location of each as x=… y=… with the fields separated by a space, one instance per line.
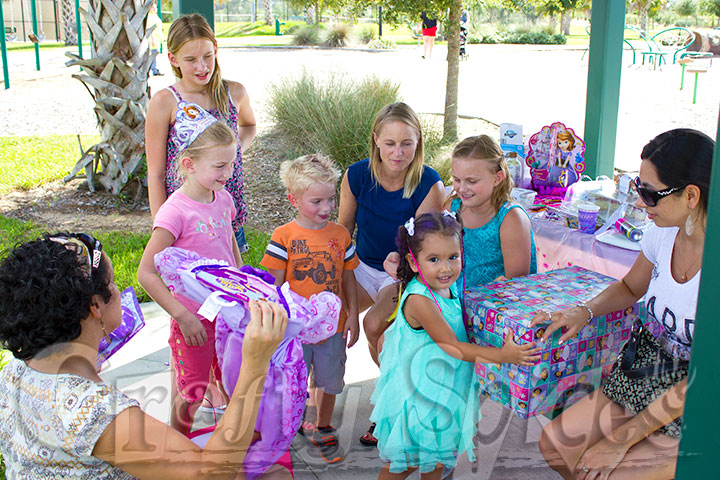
x=368 y=439
x=306 y=428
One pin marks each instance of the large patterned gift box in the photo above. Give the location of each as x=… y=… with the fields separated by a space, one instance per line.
x=565 y=373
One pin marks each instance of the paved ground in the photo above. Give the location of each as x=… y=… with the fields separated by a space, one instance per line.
x=533 y=86
x=506 y=445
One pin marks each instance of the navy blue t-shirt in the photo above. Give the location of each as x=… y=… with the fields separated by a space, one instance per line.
x=380 y=213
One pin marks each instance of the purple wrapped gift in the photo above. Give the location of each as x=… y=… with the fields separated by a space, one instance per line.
x=132 y=322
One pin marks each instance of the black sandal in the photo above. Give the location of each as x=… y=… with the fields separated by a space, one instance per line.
x=368 y=439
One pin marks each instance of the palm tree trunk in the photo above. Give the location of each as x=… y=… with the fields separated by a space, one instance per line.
x=116 y=77
x=267 y=7
x=565 y=20
x=453 y=73
x=68 y=21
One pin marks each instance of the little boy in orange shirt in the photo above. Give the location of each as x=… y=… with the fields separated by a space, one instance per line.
x=314 y=254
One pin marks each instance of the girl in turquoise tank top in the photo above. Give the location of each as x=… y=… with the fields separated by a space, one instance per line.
x=498 y=238
x=426 y=400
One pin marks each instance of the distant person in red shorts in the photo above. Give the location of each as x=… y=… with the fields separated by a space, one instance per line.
x=429 y=30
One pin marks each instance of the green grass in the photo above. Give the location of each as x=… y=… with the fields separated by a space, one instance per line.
x=124 y=248
x=247 y=29
x=20 y=46
x=32 y=161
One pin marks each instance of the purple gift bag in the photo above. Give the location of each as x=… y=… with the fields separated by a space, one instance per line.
x=226 y=290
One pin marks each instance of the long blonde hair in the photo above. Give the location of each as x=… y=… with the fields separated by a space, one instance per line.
x=399 y=112
x=485 y=148
x=195 y=27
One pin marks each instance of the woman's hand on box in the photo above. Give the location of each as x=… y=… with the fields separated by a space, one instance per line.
x=571 y=320
x=525 y=354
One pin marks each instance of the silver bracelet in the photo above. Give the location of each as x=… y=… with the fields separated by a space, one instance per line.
x=590 y=312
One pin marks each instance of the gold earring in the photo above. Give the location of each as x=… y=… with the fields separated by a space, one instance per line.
x=106 y=336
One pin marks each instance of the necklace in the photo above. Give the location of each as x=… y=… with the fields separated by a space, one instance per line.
x=684 y=277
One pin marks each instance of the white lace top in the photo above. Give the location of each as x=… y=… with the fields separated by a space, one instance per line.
x=49 y=424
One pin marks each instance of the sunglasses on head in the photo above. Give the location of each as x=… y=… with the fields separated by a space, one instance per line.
x=652 y=197
x=87 y=248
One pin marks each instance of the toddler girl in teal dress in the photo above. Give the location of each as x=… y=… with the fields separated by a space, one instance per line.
x=426 y=399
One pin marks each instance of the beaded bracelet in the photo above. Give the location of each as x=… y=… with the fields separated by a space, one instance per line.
x=585 y=306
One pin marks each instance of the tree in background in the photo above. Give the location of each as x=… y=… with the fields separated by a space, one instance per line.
x=643 y=7
x=68 y=20
x=686 y=8
x=403 y=11
x=564 y=8
x=314 y=8
x=267 y=6
x=116 y=77
x=712 y=8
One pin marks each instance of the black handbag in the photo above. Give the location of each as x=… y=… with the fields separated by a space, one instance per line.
x=667 y=363
x=642 y=373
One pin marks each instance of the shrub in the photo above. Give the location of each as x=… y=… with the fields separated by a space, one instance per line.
x=333 y=117
x=381 y=44
x=367 y=32
x=306 y=35
x=533 y=38
x=338 y=35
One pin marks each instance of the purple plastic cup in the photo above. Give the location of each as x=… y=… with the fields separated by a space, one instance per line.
x=587 y=217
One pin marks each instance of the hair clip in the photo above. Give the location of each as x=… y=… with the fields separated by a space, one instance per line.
x=190 y=121
x=410 y=226
x=449 y=214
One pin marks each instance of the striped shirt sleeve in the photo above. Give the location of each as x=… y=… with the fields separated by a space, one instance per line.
x=276 y=255
x=351 y=259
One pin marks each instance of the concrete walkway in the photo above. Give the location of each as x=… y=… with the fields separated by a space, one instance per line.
x=506 y=446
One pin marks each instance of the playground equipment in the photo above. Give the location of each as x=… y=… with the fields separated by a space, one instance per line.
x=11 y=31
x=3 y=50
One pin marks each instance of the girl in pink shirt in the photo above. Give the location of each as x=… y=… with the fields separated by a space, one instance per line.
x=197 y=217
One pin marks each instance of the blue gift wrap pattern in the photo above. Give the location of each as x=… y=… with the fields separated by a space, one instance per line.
x=565 y=373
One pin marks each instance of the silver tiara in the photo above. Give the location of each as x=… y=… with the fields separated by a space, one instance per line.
x=190 y=121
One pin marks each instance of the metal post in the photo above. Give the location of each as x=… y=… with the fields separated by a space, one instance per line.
x=33 y=9
x=57 y=25
x=3 y=48
x=380 y=21
x=22 y=17
x=700 y=443
x=159 y=12
x=603 y=87
x=78 y=26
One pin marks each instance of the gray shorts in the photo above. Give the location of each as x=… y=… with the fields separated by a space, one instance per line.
x=328 y=361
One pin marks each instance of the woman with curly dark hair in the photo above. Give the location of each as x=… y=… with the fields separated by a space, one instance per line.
x=58 y=419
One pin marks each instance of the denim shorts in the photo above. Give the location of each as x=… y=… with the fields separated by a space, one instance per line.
x=241 y=240
x=328 y=361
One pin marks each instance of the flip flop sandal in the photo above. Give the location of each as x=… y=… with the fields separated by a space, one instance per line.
x=306 y=428
x=368 y=439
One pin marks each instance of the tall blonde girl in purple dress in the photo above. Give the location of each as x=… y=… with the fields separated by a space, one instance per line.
x=192 y=51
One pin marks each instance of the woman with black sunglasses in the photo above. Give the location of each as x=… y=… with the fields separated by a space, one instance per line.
x=631 y=427
x=58 y=419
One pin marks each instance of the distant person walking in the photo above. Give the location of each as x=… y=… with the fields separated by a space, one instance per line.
x=156 y=37
x=429 y=31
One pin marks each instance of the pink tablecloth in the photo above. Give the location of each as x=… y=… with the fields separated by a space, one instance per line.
x=560 y=247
